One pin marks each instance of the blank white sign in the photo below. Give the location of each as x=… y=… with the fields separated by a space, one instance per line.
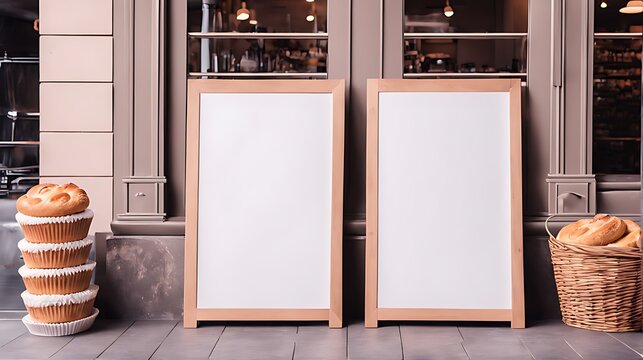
x=444 y=223
x=264 y=200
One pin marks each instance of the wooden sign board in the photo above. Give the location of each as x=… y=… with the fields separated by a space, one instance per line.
x=265 y=165
x=444 y=201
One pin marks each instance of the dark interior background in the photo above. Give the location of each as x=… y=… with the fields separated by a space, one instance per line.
x=17 y=36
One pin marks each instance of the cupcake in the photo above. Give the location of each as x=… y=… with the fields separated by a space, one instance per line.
x=49 y=213
x=57 y=281
x=60 y=329
x=60 y=308
x=55 y=256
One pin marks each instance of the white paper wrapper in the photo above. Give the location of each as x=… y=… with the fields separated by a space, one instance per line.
x=62 y=329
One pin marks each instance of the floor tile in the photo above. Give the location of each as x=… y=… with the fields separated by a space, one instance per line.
x=383 y=342
x=432 y=342
x=10 y=329
x=496 y=343
x=256 y=343
x=189 y=343
x=29 y=346
x=318 y=342
x=92 y=343
x=140 y=341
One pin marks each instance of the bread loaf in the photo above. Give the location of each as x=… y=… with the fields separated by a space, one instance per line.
x=601 y=230
x=51 y=200
x=566 y=231
x=632 y=236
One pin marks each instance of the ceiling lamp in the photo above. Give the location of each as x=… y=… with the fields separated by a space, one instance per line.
x=603 y=5
x=310 y=0
x=633 y=7
x=243 y=13
x=310 y=18
x=253 y=17
x=448 y=10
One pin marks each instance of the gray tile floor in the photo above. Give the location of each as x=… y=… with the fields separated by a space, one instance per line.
x=110 y=339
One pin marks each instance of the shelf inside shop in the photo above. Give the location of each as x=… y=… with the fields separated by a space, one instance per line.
x=617 y=103
x=18 y=143
x=617 y=138
x=625 y=35
x=613 y=102
x=257 y=35
x=18 y=169
x=618 y=64
x=259 y=75
x=482 y=36
x=452 y=58
x=617 y=76
x=432 y=75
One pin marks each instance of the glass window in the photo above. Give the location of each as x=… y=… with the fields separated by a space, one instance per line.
x=243 y=44
x=616 y=90
x=465 y=38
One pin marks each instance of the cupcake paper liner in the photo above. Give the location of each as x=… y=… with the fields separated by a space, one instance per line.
x=57 y=232
x=62 y=313
x=61 y=284
x=61 y=329
x=54 y=259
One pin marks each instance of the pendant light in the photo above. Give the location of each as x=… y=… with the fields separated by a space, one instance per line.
x=243 y=13
x=603 y=5
x=448 y=10
x=253 y=17
x=633 y=7
x=312 y=14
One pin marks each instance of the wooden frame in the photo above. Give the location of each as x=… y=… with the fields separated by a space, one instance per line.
x=372 y=312
x=197 y=86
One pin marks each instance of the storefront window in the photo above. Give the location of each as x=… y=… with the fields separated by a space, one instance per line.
x=257 y=38
x=616 y=90
x=465 y=38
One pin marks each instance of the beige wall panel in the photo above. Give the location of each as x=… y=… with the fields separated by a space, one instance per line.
x=99 y=190
x=75 y=154
x=76 y=107
x=68 y=17
x=76 y=58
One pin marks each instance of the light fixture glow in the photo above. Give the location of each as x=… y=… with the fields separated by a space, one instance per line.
x=310 y=18
x=448 y=10
x=243 y=13
x=603 y=5
x=632 y=7
x=310 y=0
x=253 y=17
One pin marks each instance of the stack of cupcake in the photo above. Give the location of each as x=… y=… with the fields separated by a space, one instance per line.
x=57 y=274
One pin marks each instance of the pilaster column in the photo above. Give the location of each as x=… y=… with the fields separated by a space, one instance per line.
x=139 y=181
x=572 y=186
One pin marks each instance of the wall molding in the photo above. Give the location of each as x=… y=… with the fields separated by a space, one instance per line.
x=139 y=111
x=571 y=184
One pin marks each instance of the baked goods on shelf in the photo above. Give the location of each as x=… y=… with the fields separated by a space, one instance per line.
x=49 y=213
x=60 y=308
x=601 y=230
x=55 y=256
x=565 y=233
x=58 y=229
x=55 y=221
x=60 y=329
x=51 y=200
x=632 y=236
x=57 y=281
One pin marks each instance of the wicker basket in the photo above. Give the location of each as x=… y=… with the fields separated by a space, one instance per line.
x=599 y=287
